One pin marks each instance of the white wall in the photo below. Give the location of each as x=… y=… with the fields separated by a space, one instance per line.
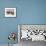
x=40 y=27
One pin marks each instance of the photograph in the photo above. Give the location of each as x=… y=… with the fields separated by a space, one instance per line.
x=31 y=33
x=10 y=12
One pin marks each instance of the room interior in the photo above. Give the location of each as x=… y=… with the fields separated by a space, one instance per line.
x=28 y=12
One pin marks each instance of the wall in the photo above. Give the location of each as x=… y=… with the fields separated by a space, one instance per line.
x=33 y=12
x=33 y=27
x=8 y=25
x=28 y=12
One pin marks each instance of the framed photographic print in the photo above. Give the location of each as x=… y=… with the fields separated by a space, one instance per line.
x=10 y=12
x=33 y=32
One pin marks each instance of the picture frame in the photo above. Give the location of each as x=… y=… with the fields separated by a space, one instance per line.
x=10 y=12
x=36 y=32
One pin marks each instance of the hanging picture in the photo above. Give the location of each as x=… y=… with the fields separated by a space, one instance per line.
x=10 y=12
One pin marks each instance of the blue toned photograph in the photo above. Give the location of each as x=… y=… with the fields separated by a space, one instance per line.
x=16 y=18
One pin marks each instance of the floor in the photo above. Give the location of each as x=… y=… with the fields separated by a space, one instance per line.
x=7 y=45
x=30 y=43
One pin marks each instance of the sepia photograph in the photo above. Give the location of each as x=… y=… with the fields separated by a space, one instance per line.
x=10 y=12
